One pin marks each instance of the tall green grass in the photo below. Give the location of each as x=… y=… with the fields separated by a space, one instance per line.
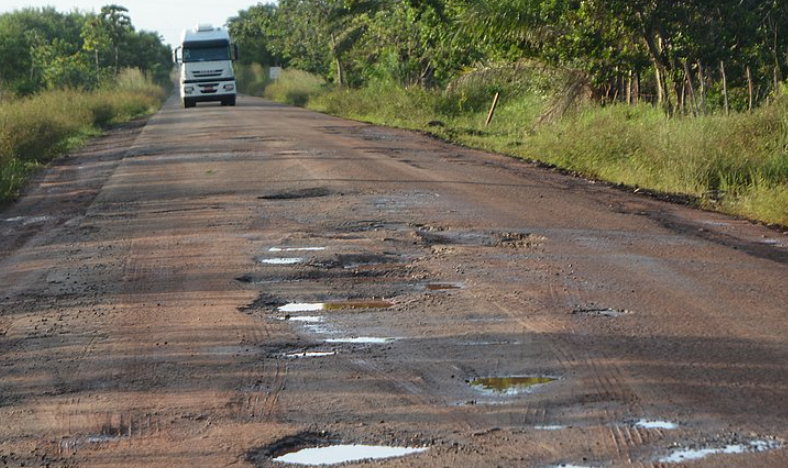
x=33 y=130
x=295 y=87
x=737 y=164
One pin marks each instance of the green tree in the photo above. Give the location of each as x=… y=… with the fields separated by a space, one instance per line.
x=117 y=24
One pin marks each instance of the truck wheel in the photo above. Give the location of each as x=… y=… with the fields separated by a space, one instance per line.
x=187 y=103
x=231 y=101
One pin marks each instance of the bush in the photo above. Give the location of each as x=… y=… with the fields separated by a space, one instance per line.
x=252 y=79
x=295 y=87
x=37 y=128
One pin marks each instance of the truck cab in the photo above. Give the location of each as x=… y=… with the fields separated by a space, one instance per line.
x=206 y=57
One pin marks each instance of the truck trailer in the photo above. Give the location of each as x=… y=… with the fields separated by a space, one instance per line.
x=205 y=57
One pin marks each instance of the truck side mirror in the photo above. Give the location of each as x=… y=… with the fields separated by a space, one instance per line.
x=234 y=52
x=175 y=57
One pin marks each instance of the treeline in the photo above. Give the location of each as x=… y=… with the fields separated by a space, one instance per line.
x=691 y=56
x=44 y=49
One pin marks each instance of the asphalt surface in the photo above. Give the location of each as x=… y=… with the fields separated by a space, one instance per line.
x=147 y=285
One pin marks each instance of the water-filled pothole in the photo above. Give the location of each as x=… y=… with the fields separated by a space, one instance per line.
x=281 y=261
x=296 y=249
x=685 y=454
x=312 y=449
x=335 y=305
x=550 y=427
x=304 y=318
x=311 y=354
x=655 y=424
x=362 y=340
x=509 y=385
x=335 y=454
x=372 y=304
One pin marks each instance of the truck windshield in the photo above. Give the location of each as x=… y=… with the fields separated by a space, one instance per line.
x=206 y=54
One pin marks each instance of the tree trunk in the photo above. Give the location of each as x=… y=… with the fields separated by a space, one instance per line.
x=725 y=88
x=427 y=76
x=690 y=88
x=750 y=87
x=629 y=88
x=116 y=60
x=702 y=80
x=340 y=72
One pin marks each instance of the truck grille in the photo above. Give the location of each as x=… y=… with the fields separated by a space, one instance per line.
x=207 y=73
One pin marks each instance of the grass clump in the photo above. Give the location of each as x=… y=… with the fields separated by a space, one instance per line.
x=35 y=129
x=252 y=79
x=295 y=87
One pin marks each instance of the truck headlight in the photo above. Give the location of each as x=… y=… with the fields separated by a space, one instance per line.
x=229 y=87
x=188 y=89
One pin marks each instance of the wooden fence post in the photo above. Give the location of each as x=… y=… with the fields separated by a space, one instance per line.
x=491 y=114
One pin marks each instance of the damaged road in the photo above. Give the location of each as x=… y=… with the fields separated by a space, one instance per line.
x=262 y=285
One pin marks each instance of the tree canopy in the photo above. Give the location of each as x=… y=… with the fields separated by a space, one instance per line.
x=41 y=48
x=664 y=48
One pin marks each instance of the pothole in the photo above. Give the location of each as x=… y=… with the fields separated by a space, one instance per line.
x=296 y=249
x=684 y=454
x=655 y=424
x=311 y=354
x=509 y=385
x=519 y=240
x=26 y=220
x=373 y=304
x=301 y=307
x=362 y=340
x=444 y=286
x=281 y=261
x=355 y=261
x=550 y=427
x=297 y=194
x=335 y=454
x=433 y=236
x=335 y=305
x=601 y=311
x=312 y=449
x=304 y=318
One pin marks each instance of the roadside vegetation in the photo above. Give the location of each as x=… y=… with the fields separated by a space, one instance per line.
x=65 y=77
x=679 y=97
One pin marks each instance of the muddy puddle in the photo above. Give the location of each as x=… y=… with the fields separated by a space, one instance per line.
x=685 y=454
x=335 y=305
x=336 y=454
x=281 y=261
x=509 y=385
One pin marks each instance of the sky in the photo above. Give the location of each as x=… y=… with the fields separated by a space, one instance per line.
x=167 y=17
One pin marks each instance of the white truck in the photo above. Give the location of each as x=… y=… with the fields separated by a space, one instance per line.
x=206 y=72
